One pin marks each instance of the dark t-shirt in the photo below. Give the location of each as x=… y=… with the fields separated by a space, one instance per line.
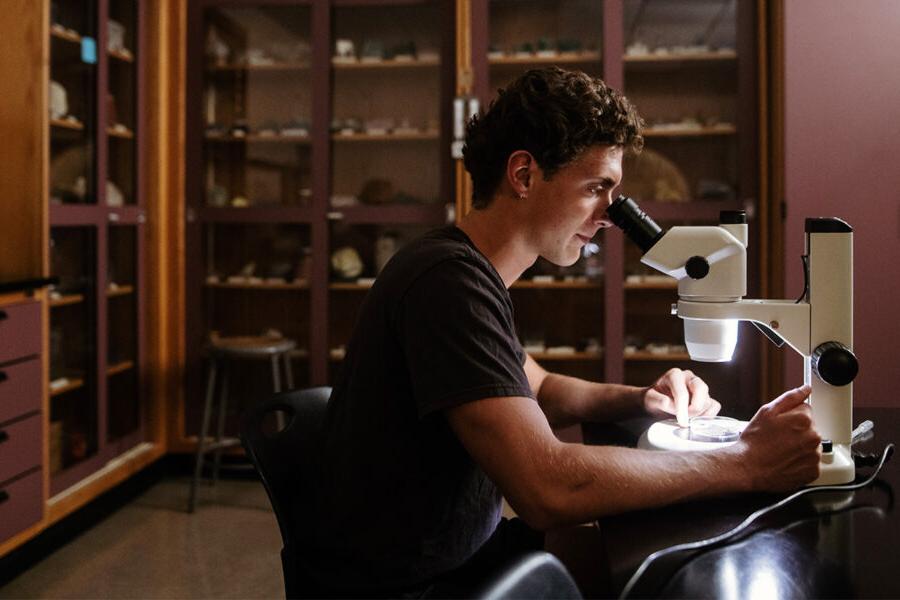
x=399 y=499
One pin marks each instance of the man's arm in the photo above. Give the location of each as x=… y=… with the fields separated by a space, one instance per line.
x=569 y=401
x=550 y=483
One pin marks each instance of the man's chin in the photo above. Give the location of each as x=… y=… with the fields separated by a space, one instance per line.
x=562 y=261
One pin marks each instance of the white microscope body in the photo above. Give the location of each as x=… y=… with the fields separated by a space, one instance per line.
x=710 y=264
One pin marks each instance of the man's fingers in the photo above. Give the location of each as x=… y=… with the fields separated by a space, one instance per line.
x=680 y=395
x=712 y=409
x=699 y=392
x=790 y=399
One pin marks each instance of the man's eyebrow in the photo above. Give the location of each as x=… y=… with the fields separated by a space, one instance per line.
x=607 y=181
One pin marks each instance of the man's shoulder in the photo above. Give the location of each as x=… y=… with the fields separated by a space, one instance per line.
x=441 y=255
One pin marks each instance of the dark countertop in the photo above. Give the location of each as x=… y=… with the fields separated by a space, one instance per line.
x=824 y=545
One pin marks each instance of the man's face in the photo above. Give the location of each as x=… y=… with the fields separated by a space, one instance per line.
x=567 y=210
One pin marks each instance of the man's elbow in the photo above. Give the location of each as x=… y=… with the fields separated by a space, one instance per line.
x=545 y=511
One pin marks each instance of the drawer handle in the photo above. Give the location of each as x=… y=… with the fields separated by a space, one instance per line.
x=3 y=315
x=3 y=376
x=4 y=496
x=3 y=436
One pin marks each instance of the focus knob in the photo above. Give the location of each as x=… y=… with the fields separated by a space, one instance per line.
x=834 y=363
x=697 y=267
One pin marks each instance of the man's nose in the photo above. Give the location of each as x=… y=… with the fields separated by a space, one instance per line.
x=600 y=212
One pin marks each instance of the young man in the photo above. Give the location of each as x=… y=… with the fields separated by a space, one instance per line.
x=439 y=411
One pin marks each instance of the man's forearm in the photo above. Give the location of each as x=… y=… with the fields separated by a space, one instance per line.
x=591 y=481
x=569 y=401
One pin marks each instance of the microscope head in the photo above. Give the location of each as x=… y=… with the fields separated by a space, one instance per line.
x=709 y=263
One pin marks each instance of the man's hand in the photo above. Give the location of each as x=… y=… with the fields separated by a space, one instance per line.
x=780 y=449
x=680 y=393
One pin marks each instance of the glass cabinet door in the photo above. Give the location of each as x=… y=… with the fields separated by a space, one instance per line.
x=73 y=429
x=386 y=106
x=526 y=34
x=389 y=168
x=121 y=103
x=257 y=284
x=681 y=70
x=124 y=395
x=72 y=100
x=257 y=106
x=522 y=35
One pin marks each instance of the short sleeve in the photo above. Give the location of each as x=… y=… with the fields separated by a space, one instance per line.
x=456 y=329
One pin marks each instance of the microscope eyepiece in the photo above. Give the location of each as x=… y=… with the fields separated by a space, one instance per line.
x=635 y=223
x=732 y=217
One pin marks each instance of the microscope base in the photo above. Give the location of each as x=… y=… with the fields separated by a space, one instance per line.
x=836 y=468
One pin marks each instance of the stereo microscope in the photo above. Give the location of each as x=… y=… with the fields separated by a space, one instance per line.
x=710 y=265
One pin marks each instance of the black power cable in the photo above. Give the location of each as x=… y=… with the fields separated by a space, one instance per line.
x=713 y=541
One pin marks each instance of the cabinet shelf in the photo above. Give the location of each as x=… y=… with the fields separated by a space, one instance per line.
x=556 y=59
x=257 y=138
x=282 y=66
x=255 y=214
x=386 y=137
x=572 y=356
x=63 y=124
x=350 y=286
x=356 y=65
x=66 y=300
x=424 y=214
x=557 y=285
x=119 y=367
x=643 y=355
x=119 y=55
x=125 y=134
x=59 y=32
x=262 y=286
x=673 y=131
x=72 y=384
x=695 y=209
x=669 y=284
x=722 y=56
x=122 y=290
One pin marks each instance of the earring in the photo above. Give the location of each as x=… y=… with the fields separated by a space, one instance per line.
x=522 y=197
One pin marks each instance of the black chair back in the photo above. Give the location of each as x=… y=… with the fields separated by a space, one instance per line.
x=284 y=460
x=536 y=575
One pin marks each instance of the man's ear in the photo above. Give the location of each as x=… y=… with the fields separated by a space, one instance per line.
x=519 y=170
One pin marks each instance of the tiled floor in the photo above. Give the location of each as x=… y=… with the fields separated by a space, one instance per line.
x=152 y=548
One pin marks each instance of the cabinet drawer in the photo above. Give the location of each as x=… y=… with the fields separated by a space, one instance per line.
x=20 y=447
x=20 y=330
x=21 y=504
x=20 y=389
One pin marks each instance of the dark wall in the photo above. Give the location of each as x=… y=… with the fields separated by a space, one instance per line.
x=842 y=148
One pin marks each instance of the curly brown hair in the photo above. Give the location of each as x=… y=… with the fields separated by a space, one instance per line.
x=553 y=114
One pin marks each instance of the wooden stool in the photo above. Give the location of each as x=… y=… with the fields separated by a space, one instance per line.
x=221 y=351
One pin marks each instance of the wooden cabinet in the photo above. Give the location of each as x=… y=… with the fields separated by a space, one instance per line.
x=73 y=379
x=690 y=67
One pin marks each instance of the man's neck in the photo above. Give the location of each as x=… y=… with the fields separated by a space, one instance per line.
x=498 y=236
